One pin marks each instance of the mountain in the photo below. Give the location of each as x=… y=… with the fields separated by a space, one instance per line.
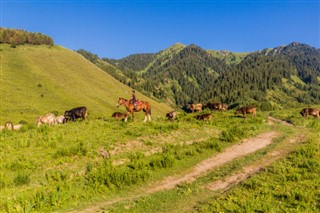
x=279 y=77
x=37 y=79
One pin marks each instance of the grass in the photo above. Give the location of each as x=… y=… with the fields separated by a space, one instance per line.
x=283 y=186
x=60 y=167
x=36 y=80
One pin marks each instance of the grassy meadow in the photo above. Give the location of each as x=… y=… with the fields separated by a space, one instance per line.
x=36 y=80
x=60 y=167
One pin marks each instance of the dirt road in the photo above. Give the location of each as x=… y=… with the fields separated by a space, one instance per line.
x=246 y=147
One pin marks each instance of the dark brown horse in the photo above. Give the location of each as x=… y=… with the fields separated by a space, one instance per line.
x=143 y=105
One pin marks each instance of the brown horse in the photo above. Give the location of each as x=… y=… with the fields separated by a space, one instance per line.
x=144 y=106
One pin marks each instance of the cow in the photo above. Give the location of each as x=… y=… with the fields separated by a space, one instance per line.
x=60 y=120
x=195 y=107
x=46 y=119
x=120 y=116
x=225 y=107
x=310 y=111
x=247 y=110
x=75 y=113
x=171 y=115
x=204 y=117
x=8 y=126
x=214 y=106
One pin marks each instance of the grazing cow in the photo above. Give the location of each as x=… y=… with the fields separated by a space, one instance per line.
x=46 y=119
x=8 y=126
x=75 y=113
x=195 y=107
x=120 y=116
x=171 y=115
x=247 y=110
x=204 y=117
x=214 y=106
x=310 y=111
x=225 y=107
x=60 y=120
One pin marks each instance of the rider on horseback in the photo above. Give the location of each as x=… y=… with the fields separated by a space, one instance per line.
x=133 y=99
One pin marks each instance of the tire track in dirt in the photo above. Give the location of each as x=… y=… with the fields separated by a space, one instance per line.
x=247 y=171
x=247 y=146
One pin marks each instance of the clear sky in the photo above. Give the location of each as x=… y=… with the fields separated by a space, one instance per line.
x=116 y=29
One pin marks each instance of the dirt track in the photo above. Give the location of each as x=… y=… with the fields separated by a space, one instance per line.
x=246 y=147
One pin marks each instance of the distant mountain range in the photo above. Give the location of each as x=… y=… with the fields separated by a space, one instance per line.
x=284 y=76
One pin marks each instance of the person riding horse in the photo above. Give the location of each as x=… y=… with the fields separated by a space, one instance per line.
x=133 y=99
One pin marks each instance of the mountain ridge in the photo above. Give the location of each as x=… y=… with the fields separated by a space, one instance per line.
x=188 y=73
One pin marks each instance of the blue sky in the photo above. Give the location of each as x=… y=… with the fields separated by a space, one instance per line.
x=116 y=29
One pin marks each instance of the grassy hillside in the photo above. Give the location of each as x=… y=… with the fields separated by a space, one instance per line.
x=39 y=79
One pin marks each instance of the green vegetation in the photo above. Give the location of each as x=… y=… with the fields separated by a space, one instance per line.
x=289 y=184
x=39 y=79
x=18 y=37
x=60 y=167
x=182 y=74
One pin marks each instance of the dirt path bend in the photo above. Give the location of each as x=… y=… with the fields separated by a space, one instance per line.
x=246 y=147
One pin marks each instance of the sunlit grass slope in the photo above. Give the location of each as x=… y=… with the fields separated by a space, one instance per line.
x=35 y=80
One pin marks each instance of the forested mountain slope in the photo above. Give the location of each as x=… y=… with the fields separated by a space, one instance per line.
x=277 y=77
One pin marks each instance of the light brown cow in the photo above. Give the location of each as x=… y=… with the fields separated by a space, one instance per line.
x=60 y=119
x=171 y=115
x=310 y=111
x=195 y=107
x=247 y=110
x=46 y=119
x=10 y=126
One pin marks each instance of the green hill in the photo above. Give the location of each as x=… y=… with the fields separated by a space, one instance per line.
x=39 y=79
x=284 y=76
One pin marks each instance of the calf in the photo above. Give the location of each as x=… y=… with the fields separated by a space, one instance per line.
x=120 y=116
x=310 y=111
x=247 y=110
x=171 y=115
x=75 y=113
x=204 y=117
x=45 y=119
x=195 y=107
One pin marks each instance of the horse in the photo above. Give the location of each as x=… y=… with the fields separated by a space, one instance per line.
x=143 y=105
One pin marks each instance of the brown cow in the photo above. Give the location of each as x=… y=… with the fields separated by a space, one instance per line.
x=204 y=117
x=225 y=107
x=120 y=116
x=310 y=111
x=247 y=110
x=46 y=119
x=195 y=107
x=214 y=106
x=171 y=115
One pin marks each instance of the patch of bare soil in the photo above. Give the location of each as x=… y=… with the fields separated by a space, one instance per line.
x=256 y=167
x=246 y=147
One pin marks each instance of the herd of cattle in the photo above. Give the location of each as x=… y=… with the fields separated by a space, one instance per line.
x=82 y=113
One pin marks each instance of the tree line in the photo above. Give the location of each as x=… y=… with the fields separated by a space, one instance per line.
x=19 y=37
